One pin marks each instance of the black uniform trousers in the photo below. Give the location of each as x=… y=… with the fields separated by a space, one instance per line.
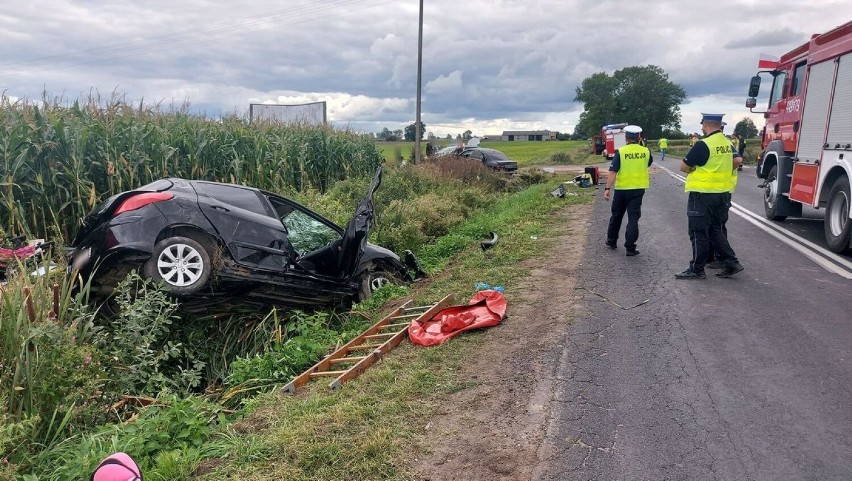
x=711 y=252
x=707 y=214
x=629 y=201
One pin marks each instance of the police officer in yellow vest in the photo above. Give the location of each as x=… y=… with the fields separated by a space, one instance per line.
x=712 y=263
x=709 y=165
x=628 y=174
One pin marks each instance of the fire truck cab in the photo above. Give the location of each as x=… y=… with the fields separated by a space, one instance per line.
x=612 y=137
x=806 y=145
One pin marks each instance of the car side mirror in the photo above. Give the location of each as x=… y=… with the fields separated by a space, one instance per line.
x=751 y=103
x=754 y=86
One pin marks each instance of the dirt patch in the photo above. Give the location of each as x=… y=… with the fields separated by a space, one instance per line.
x=491 y=431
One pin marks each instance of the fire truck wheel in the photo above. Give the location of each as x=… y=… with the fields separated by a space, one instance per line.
x=771 y=196
x=837 y=224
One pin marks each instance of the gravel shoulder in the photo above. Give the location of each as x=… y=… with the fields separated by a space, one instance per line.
x=493 y=429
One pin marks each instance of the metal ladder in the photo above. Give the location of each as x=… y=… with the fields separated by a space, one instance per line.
x=354 y=357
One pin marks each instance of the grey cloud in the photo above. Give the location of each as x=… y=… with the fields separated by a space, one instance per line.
x=483 y=59
x=769 y=38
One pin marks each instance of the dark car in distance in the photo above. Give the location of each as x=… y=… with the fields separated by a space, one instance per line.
x=491 y=158
x=207 y=240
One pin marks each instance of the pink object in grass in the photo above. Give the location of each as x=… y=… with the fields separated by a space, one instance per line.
x=117 y=467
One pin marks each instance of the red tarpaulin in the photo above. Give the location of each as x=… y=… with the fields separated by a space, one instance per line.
x=485 y=309
x=7 y=255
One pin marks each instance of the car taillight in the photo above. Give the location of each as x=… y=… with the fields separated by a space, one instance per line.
x=141 y=200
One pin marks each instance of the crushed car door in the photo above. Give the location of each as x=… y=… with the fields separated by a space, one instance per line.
x=246 y=224
x=355 y=235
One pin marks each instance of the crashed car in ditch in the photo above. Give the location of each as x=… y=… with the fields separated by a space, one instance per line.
x=207 y=240
x=491 y=158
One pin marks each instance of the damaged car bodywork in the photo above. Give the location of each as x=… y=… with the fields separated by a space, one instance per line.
x=208 y=240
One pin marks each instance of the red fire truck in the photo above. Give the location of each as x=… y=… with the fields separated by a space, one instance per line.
x=610 y=138
x=806 y=156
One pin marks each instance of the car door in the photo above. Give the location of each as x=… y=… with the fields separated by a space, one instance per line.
x=358 y=229
x=246 y=223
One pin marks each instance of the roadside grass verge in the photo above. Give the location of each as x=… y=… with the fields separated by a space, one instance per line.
x=367 y=429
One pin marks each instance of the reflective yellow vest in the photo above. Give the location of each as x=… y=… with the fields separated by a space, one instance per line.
x=664 y=143
x=633 y=171
x=716 y=175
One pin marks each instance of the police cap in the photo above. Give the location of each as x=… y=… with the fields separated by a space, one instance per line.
x=632 y=130
x=711 y=118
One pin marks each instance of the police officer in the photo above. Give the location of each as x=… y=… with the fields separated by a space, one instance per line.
x=664 y=144
x=712 y=263
x=709 y=165
x=628 y=174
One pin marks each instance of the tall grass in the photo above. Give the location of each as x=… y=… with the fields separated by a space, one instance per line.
x=50 y=376
x=58 y=161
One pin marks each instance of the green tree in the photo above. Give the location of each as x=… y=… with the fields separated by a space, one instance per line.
x=746 y=128
x=467 y=135
x=638 y=95
x=411 y=131
x=390 y=135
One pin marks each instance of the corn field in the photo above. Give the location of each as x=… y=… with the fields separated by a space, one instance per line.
x=57 y=162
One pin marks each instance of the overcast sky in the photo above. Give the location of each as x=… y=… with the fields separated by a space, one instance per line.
x=488 y=65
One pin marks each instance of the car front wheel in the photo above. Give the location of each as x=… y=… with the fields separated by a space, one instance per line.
x=374 y=279
x=181 y=264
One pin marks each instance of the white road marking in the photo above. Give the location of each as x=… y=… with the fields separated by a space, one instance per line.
x=821 y=256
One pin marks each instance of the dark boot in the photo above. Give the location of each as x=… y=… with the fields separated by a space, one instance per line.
x=730 y=270
x=691 y=274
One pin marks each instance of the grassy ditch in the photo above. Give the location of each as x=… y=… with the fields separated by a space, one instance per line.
x=166 y=386
x=364 y=430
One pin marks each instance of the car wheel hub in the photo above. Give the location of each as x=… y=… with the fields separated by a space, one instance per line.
x=377 y=283
x=180 y=265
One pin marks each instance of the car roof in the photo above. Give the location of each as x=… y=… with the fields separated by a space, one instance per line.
x=484 y=149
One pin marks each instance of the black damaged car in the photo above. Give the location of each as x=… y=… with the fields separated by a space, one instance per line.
x=207 y=240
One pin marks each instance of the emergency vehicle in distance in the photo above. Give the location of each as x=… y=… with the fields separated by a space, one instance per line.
x=806 y=145
x=610 y=138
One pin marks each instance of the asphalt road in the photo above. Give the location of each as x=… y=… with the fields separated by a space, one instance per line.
x=747 y=378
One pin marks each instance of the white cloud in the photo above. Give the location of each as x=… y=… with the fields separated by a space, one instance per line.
x=449 y=83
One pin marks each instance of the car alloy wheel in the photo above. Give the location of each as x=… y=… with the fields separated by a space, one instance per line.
x=181 y=263
x=374 y=279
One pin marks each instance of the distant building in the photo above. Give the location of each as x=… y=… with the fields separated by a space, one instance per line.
x=528 y=135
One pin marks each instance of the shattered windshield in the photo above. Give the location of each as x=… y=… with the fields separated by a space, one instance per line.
x=306 y=233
